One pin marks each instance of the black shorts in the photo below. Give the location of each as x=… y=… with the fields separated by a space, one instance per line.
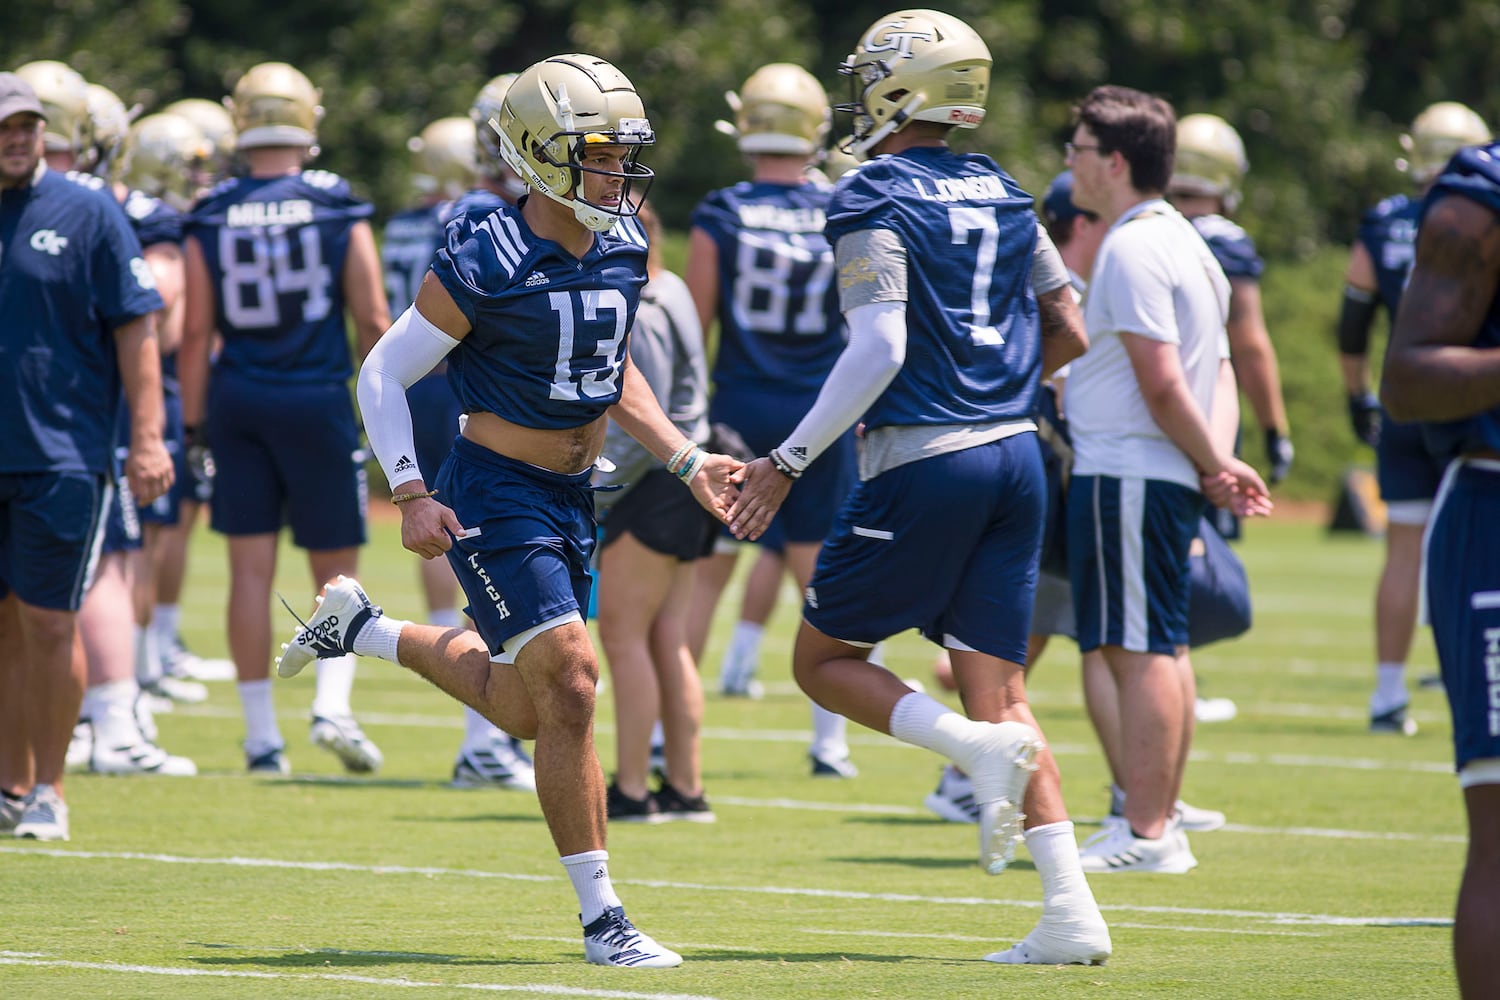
x=661 y=512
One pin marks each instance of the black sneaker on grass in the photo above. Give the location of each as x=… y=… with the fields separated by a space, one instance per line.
x=624 y=809
x=672 y=805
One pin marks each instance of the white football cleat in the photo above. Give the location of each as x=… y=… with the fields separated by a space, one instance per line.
x=343 y=609
x=1000 y=775
x=44 y=815
x=143 y=757
x=613 y=940
x=495 y=764
x=953 y=799
x=343 y=738
x=1116 y=849
x=1055 y=940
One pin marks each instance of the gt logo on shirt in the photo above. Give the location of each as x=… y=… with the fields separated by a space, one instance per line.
x=48 y=242
x=144 y=276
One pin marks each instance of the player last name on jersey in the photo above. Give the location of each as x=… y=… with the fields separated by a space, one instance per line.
x=295 y=212
x=782 y=219
x=984 y=188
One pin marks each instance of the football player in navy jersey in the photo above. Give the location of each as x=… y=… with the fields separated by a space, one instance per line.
x=446 y=170
x=116 y=733
x=1443 y=367
x=274 y=259
x=759 y=264
x=178 y=155
x=161 y=154
x=80 y=305
x=1407 y=471
x=1205 y=188
x=531 y=307
x=948 y=342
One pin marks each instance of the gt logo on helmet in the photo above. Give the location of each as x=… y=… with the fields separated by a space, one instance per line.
x=894 y=40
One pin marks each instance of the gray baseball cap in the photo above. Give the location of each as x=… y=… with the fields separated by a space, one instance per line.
x=16 y=97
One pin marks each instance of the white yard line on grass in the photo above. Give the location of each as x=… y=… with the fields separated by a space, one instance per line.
x=1254 y=916
x=454 y=722
x=544 y=989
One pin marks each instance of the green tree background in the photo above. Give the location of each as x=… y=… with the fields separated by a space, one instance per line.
x=1319 y=90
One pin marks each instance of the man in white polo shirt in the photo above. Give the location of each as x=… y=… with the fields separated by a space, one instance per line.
x=1141 y=404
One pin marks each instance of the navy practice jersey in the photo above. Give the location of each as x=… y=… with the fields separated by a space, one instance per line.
x=412 y=237
x=973 y=352
x=1473 y=173
x=548 y=339
x=1232 y=247
x=779 y=322
x=1388 y=233
x=153 y=220
x=406 y=248
x=478 y=200
x=71 y=272
x=275 y=249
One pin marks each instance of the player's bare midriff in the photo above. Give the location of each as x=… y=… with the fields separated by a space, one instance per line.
x=569 y=450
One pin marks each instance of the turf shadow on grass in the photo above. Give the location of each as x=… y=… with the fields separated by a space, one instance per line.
x=916 y=861
x=323 y=958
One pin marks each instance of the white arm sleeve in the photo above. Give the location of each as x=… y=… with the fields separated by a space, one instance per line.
x=409 y=350
x=871 y=359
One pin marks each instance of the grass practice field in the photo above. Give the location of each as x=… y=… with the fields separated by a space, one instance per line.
x=1335 y=878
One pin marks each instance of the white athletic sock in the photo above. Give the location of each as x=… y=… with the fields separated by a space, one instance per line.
x=829 y=728
x=744 y=642
x=445 y=617
x=261 y=731
x=380 y=637
x=166 y=619
x=1116 y=800
x=1390 y=688
x=924 y=721
x=478 y=731
x=335 y=684
x=589 y=873
x=1054 y=849
x=658 y=735
x=111 y=708
x=147 y=654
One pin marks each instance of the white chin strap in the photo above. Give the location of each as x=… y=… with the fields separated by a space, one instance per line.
x=861 y=147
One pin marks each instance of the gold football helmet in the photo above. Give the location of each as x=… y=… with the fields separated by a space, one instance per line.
x=215 y=125
x=275 y=105
x=163 y=152
x=486 y=107
x=1437 y=133
x=781 y=109
x=915 y=65
x=1210 y=160
x=64 y=96
x=445 y=157
x=111 y=123
x=554 y=111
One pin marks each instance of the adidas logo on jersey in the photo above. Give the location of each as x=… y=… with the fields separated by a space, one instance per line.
x=537 y=278
x=404 y=464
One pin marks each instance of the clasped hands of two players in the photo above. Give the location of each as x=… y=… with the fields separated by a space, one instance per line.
x=429 y=527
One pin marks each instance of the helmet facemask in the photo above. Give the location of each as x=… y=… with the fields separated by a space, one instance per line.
x=544 y=132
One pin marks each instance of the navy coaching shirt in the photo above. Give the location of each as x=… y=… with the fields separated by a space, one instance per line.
x=71 y=272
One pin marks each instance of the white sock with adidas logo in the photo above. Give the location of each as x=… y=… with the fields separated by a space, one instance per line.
x=589 y=873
